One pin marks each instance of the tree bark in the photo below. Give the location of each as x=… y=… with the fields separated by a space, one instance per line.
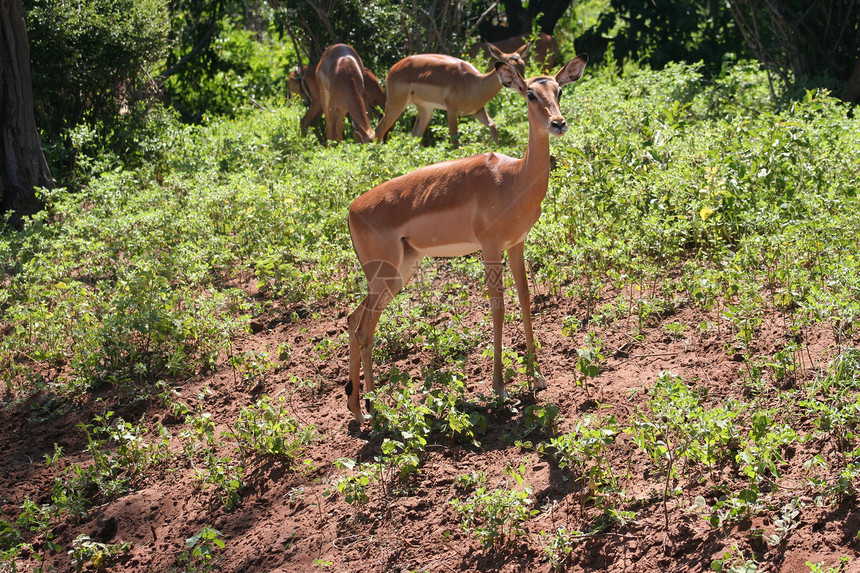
x=22 y=161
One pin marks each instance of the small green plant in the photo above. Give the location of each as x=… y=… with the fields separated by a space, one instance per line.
x=252 y=367
x=582 y=450
x=762 y=452
x=784 y=523
x=836 y=568
x=267 y=427
x=675 y=330
x=203 y=551
x=734 y=561
x=40 y=519
x=544 y=418
x=496 y=516
x=676 y=430
x=731 y=508
x=85 y=551
x=589 y=361
x=12 y=544
x=558 y=545
x=354 y=486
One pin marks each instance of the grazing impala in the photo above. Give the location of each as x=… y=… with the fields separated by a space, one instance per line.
x=340 y=76
x=486 y=202
x=434 y=81
x=373 y=96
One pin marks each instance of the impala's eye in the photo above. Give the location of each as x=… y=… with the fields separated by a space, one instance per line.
x=531 y=95
x=559 y=95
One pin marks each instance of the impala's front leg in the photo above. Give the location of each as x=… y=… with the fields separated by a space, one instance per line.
x=494 y=271
x=521 y=280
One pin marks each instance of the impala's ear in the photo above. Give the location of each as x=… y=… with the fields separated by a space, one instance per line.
x=494 y=52
x=510 y=77
x=524 y=51
x=572 y=71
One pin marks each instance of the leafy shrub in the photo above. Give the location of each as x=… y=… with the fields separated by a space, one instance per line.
x=92 y=62
x=496 y=516
x=268 y=428
x=236 y=72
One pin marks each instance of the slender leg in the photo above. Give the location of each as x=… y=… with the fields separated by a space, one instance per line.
x=494 y=270
x=422 y=121
x=482 y=116
x=313 y=113
x=338 y=126
x=453 y=120
x=521 y=280
x=394 y=106
x=325 y=103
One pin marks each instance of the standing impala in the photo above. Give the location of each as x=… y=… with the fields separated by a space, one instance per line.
x=434 y=81
x=340 y=75
x=486 y=202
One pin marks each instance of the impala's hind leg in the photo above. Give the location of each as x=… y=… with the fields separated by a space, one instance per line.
x=422 y=120
x=384 y=281
x=484 y=118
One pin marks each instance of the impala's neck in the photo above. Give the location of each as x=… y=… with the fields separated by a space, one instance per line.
x=534 y=166
x=489 y=85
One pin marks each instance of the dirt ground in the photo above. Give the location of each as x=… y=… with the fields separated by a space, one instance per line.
x=285 y=522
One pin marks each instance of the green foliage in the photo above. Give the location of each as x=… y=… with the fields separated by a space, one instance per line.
x=822 y=568
x=237 y=71
x=702 y=30
x=203 y=551
x=676 y=427
x=268 y=428
x=354 y=485
x=590 y=358
x=375 y=28
x=543 y=417
x=440 y=408
x=558 y=545
x=86 y=551
x=583 y=452
x=734 y=561
x=92 y=62
x=496 y=515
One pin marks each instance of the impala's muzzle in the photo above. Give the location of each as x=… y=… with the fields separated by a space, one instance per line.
x=558 y=126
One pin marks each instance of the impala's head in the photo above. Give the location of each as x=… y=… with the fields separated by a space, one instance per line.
x=515 y=59
x=544 y=92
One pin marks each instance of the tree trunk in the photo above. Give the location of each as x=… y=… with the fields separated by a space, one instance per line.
x=22 y=160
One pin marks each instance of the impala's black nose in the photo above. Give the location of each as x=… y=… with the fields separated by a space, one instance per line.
x=559 y=125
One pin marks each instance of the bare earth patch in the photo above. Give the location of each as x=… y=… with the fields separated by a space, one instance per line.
x=288 y=520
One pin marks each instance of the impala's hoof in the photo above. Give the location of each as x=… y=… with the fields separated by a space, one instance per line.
x=360 y=417
x=539 y=381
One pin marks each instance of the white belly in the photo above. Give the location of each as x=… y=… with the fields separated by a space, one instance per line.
x=452 y=250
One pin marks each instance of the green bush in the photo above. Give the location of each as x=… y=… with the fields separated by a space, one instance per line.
x=92 y=64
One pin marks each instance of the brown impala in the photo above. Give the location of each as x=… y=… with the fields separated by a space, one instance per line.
x=486 y=202
x=340 y=76
x=434 y=81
